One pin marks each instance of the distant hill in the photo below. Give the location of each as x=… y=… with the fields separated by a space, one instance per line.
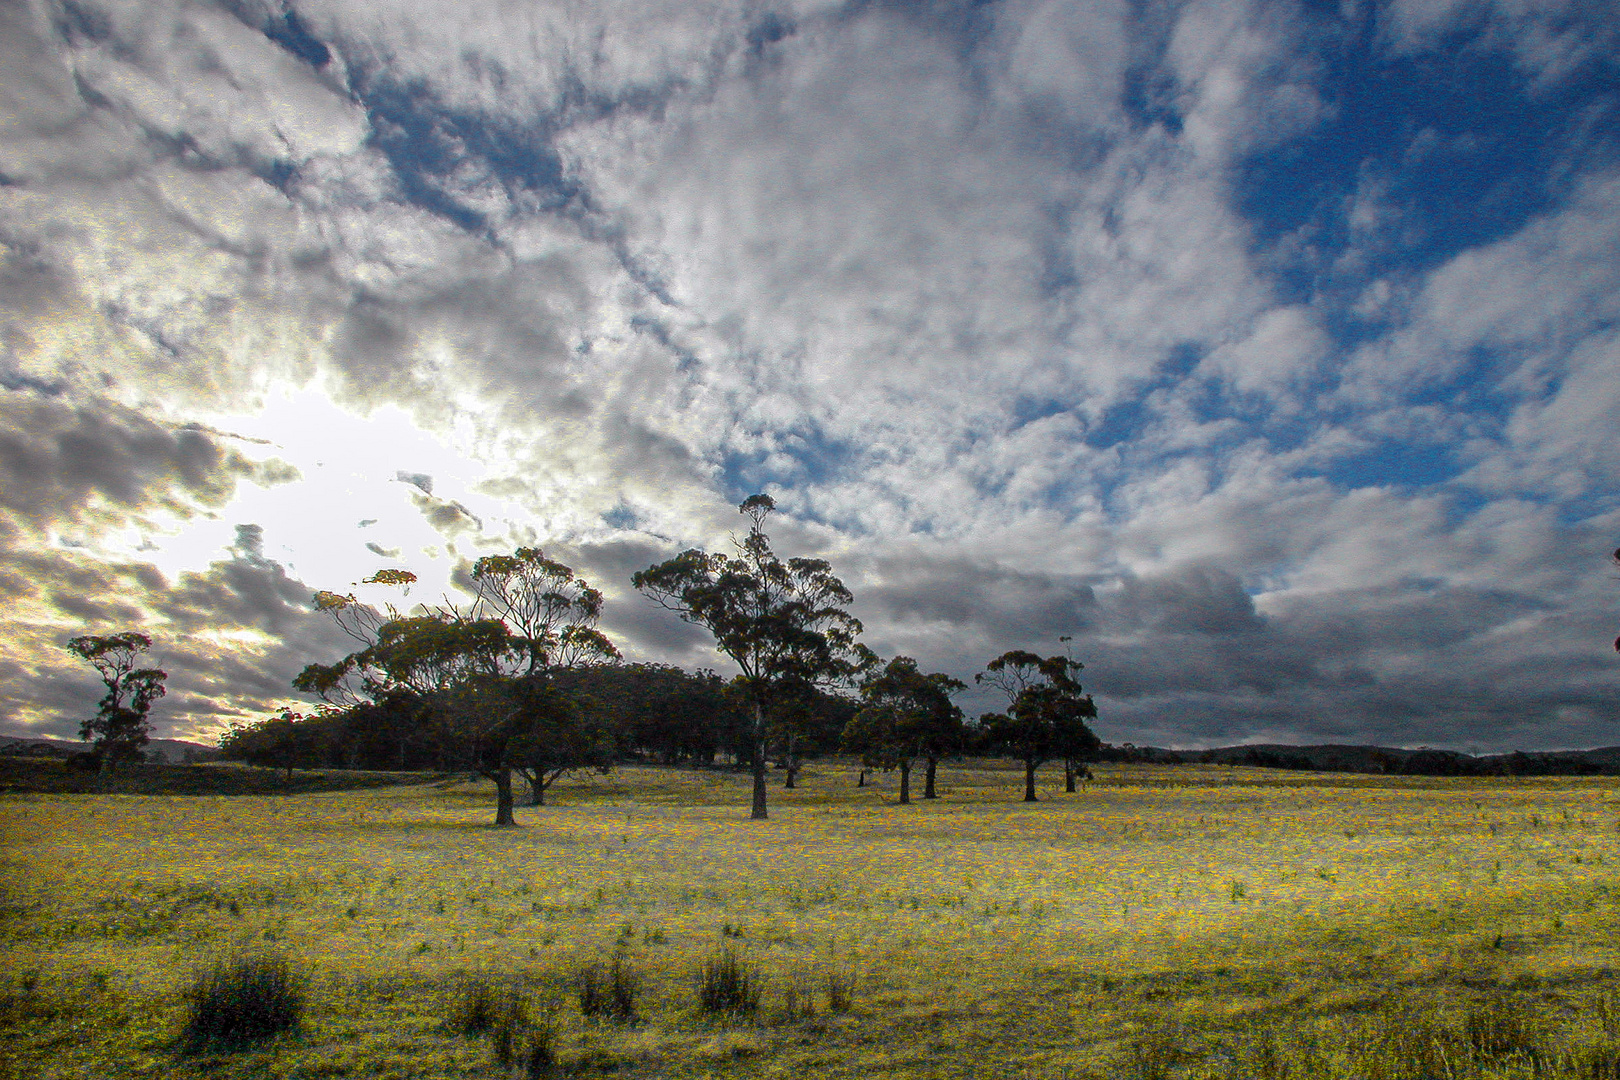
x=50 y=775
x=1389 y=760
x=174 y=751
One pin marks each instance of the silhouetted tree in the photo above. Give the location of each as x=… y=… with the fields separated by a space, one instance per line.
x=120 y=729
x=804 y=721
x=553 y=614
x=904 y=715
x=1046 y=712
x=484 y=693
x=784 y=624
x=463 y=672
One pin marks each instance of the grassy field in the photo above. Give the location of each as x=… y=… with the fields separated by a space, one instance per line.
x=1163 y=922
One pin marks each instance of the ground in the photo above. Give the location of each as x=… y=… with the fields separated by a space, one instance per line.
x=1165 y=921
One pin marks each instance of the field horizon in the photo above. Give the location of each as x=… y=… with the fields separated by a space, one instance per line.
x=1163 y=921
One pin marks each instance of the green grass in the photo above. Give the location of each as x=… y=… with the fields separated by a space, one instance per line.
x=1188 y=922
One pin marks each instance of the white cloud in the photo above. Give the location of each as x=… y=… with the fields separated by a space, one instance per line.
x=994 y=332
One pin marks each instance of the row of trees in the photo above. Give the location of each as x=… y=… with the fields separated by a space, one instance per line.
x=513 y=681
x=518 y=682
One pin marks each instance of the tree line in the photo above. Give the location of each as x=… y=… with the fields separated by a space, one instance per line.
x=517 y=683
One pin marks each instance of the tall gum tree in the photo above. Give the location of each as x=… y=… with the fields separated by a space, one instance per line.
x=553 y=615
x=784 y=624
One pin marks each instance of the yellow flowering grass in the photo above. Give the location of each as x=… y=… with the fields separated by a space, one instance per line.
x=987 y=937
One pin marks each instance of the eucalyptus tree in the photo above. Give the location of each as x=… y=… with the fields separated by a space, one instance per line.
x=905 y=715
x=120 y=728
x=784 y=624
x=1046 y=715
x=479 y=675
x=553 y=614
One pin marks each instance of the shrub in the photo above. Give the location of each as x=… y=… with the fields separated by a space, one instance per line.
x=541 y=1058
x=796 y=1005
x=728 y=985
x=506 y=1031
x=241 y=1001
x=25 y=1001
x=609 y=991
x=476 y=1004
x=1153 y=1056
x=840 y=987
x=1496 y=1028
x=484 y=1006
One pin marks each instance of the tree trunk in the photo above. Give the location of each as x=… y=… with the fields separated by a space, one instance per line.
x=928 y=779
x=537 y=788
x=1068 y=777
x=503 y=798
x=1029 y=780
x=790 y=763
x=905 y=783
x=758 y=813
x=862 y=781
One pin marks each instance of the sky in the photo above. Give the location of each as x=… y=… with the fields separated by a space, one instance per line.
x=1268 y=350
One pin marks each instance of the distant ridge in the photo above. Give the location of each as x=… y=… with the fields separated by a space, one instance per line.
x=174 y=751
x=1387 y=760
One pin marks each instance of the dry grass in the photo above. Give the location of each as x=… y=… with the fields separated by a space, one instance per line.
x=1177 y=922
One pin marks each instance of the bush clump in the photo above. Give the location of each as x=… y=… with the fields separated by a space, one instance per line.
x=840 y=987
x=728 y=985
x=609 y=991
x=482 y=1006
x=241 y=1001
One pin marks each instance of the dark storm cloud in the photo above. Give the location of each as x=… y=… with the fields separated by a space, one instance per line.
x=1003 y=604
x=63 y=463
x=246 y=592
x=1194 y=600
x=197 y=623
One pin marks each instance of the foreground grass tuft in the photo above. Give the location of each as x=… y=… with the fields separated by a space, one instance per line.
x=609 y=991
x=242 y=1001
x=840 y=987
x=728 y=985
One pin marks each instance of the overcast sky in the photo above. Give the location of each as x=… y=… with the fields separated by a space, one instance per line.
x=1269 y=349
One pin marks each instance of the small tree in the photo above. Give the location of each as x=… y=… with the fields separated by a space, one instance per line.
x=784 y=624
x=904 y=715
x=1046 y=712
x=564 y=735
x=120 y=728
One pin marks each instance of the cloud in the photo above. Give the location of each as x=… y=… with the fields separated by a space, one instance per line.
x=100 y=465
x=1550 y=39
x=1136 y=323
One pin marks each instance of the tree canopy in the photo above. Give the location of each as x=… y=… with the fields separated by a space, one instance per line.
x=479 y=674
x=905 y=715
